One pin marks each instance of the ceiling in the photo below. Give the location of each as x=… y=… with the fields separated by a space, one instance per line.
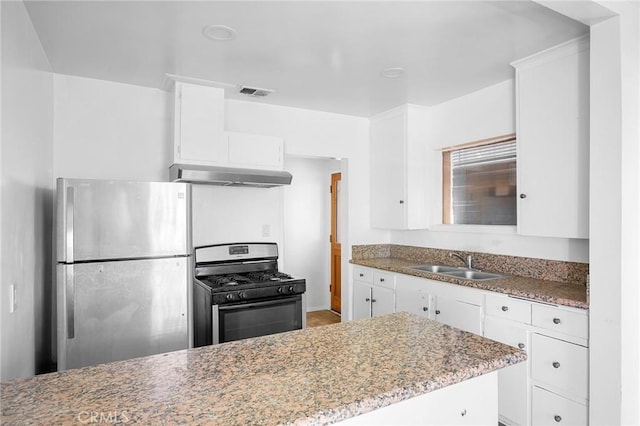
x=321 y=55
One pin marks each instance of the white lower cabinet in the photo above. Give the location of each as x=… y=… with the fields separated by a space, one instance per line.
x=413 y=299
x=470 y=402
x=560 y=365
x=372 y=301
x=453 y=305
x=552 y=409
x=550 y=388
x=513 y=388
x=373 y=293
x=459 y=314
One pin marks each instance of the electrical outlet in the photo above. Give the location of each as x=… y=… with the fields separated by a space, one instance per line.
x=13 y=300
x=266 y=230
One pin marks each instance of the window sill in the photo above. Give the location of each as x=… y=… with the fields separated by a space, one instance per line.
x=476 y=229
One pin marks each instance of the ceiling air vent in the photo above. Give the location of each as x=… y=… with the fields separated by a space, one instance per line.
x=254 y=91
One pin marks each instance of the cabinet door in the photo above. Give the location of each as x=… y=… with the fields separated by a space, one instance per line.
x=414 y=302
x=388 y=135
x=513 y=382
x=361 y=300
x=255 y=151
x=459 y=314
x=199 y=124
x=553 y=145
x=383 y=301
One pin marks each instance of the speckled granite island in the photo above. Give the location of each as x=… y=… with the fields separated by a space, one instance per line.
x=318 y=375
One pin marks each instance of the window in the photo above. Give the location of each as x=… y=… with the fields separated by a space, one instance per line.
x=479 y=182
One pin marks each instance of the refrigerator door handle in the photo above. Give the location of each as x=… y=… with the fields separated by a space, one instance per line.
x=69 y=228
x=70 y=302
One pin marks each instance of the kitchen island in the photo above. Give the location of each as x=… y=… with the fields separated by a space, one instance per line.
x=318 y=375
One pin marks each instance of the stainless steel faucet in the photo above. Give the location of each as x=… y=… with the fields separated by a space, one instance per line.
x=468 y=261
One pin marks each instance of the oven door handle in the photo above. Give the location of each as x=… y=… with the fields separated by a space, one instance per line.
x=259 y=304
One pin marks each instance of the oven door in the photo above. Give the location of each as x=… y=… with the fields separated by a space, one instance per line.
x=241 y=321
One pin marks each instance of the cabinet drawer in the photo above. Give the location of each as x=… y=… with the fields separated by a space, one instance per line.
x=560 y=364
x=508 y=308
x=561 y=321
x=384 y=279
x=507 y=332
x=362 y=274
x=550 y=409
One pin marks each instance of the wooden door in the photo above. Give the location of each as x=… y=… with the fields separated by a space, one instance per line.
x=336 y=247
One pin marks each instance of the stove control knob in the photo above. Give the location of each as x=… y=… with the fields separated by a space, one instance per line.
x=280 y=290
x=292 y=289
x=229 y=296
x=242 y=295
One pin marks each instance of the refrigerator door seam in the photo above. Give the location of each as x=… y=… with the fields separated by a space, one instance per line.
x=69 y=227
x=71 y=296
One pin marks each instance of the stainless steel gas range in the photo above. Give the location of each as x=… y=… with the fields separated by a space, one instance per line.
x=239 y=293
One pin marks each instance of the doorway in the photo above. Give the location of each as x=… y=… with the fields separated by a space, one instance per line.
x=306 y=224
x=336 y=246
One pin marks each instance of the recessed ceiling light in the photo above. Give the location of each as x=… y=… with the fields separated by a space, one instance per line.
x=219 y=32
x=396 y=72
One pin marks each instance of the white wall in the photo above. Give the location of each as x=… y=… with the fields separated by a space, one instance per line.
x=479 y=115
x=107 y=130
x=615 y=223
x=235 y=215
x=323 y=135
x=26 y=196
x=307 y=223
x=112 y=130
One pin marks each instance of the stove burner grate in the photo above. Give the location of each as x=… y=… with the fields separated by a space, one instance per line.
x=234 y=279
x=268 y=276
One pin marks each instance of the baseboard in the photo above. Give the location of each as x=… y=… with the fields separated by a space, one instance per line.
x=317 y=308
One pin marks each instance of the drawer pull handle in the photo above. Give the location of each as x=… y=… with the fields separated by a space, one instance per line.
x=373 y=300
x=556 y=321
x=521 y=345
x=556 y=364
x=367 y=299
x=437 y=312
x=557 y=418
x=362 y=275
x=381 y=280
x=424 y=308
x=505 y=308
x=463 y=413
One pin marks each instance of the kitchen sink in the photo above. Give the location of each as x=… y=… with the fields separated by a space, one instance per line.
x=474 y=275
x=434 y=268
x=452 y=271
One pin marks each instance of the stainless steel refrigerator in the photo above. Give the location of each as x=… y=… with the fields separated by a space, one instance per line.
x=124 y=270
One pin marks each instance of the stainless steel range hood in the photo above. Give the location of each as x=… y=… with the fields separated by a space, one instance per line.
x=228 y=176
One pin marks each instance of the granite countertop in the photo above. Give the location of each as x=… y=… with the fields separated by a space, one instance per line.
x=318 y=375
x=559 y=293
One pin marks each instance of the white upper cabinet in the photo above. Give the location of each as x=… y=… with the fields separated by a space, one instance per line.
x=199 y=136
x=552 y=121
x=255 y=151
x=199 y=125
x=398 y=169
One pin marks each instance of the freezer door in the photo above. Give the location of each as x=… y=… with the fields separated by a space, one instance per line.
x=102 y=219
x=113 y=311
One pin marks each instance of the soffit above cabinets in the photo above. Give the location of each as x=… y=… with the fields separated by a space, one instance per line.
x=323 y=55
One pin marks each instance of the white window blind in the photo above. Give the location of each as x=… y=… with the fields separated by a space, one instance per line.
x=483 y=184
x=503 y=152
